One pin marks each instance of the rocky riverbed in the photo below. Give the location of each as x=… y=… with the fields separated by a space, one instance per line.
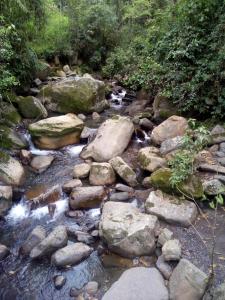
x=86 y=203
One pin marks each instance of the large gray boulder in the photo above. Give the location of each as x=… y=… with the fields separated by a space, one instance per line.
x=11 y=170
x=74 y=95
x=56 y=132
x=71 y=254
x=187 y=282
x=112 y=139
x=171 y=209
x=54 y=241
x=127 y=231
x=138 y=284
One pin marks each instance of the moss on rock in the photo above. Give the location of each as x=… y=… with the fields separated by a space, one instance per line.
x=31 y=107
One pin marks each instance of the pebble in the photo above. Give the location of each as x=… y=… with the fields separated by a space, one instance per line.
x=123 y=196
x=74 y=292
x=91 y=288
x=59 y=281
x=124 y=188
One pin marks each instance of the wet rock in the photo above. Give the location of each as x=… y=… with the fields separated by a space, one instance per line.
x=84 y=237
x=56 y=132
x=165 y=269
x=102 y=174
x=123 y=196
x=146 y=124
x=171 y=250
x=31 y=107
x=71 y=254
x=91 y=288
x=75 y=214
x=213 y=187
x=149 y=160
x=212 y=168
x=96 y=116
x=172 y=127
x=4 y=252
x=5 y=199
x=35 y=237
x=171 y=209
x=70 y=185
x=164 y=236
x=171 y=145
x=78 y=95
x=111 y=140
x=54 y=241
x=25 y=157
x=87 y=197
x=124 y=188
x=191 y=187
x=217 y=134
x=11 y=170
x=187 y=282
x=127 y=231
x=124 y=171
x=163 y=107
x=81 y=170
x=43 y=194
x=138 y=283
x=41 y=163
x=59 y=281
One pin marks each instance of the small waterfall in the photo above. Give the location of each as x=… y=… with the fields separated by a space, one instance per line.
x=33 y=149
x=117 y=99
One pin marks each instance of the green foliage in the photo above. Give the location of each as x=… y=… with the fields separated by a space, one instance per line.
x=182 y=164
x=217 y=201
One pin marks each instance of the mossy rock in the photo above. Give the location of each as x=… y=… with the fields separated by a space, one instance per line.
x=31 y=107
x=192 y=187
x=163 y=107
x=8 y=114
x=10 y=139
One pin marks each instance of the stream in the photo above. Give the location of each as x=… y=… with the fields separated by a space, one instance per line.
x=21 y=278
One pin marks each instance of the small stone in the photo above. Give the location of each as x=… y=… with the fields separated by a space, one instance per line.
x=81 y=170
x=147 y=182
x=75 y=214
x=123 y=196
x=74 y=292
x=70 y=185
x=82 y=117
x=66 y=69
x=37 y=82
x=165 y=269
x=96 y=116
x=102 y=174
x=171 y=250
x=59 y=281
x=124 y=188
x=4 y=251
x=146 y=123
x=95 y=233
x=91 y=288
x=41 y=163
x=165 y=235
x=25 y=156
x=84 y=237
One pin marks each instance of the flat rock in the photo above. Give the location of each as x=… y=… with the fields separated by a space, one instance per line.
x=171 y=209
x=43 y=194
x=81 y=170
x=124 y=171
x=170 y=128
x=126 y=230
x=54 y=241
x=71 y=254
x=87 y=197
x=187 y=282
x=138 y=283
x=102 y=174
x=41 y=163
x=112 y=139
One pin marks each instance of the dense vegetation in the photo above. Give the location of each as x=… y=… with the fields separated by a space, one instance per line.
x=175 y=47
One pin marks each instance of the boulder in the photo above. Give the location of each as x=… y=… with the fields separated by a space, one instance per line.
x=70 y=185
x=54 y=241
x=31 y=107
x=163 y=107
x=43 y=194
x=56 y=132
x=74 y=95
x=124 y=171
x=101 y=174
x=5 y=199
x=34 y=238
x=10 y=139
x=192 y=187
x=126 y=230
x=112 y=138
x=150 y=161
x=187 y=282
x=171 y=209
x=138 y=283
x=171 y=144
x=172 y=127
x=41 y=163
x=87 y=197
x=71 y=254
x=81 y=170
x=171 y=250
x=4 y=251
x=11 y=170
x=164 y=268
